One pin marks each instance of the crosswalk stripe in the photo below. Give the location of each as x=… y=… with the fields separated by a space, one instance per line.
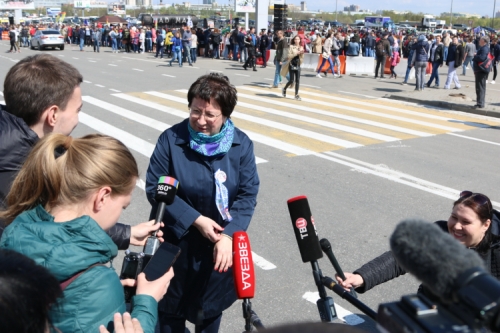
x=118 y=133
x=273 y=124
x=323 y=123
x=355 y=119
x=278 y=144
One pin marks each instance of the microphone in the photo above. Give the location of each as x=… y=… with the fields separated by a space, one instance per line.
x=165 y=195
x=327 y=248
x=310 y=251
x=433 y=256
x=244 y=278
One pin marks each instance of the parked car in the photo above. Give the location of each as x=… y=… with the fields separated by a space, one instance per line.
x=460 y=26
x=439 y=32
x=47 y=38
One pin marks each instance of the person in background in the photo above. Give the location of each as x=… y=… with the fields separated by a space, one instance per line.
x=12 y=37
x=382 y=51
x=480 y=75
x=96 y=39
x=186 y=44
x=353 y=48
x=159 y=45
x=327 y=47
x=370 y=44
x=242 y=46
x=436 y=58
x=227 y=46
x=496 y=60
x=336 y=53
x=176 y=49
x=395 y=58
x=114 y=46
x=149 y=40
x=263 y=44
x=446 y=43
x=292 y=61
x=470 y=52
x=419 y=60
x=216 y=39
x=411 y=50
x=453 y=61
x=280 y=46
x=194 y=45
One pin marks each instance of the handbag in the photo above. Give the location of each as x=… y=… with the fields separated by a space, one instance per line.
x=325 y=55
x=294 y=64
x=486 y=65
x=258 y=55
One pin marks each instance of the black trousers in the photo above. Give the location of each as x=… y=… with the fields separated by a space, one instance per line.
x=381 y=64
x=294 y=77
x=264 y=54
x=174 y=324
x=480 y=87
x=250 y=61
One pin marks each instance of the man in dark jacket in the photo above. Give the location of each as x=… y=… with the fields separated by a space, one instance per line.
x=263 y=43
x=159 y=45
x=436 y=58
x=35 y=108
x=280 y=46
x=369 y=42
x=480 y=75
x=242 y=46
x=453 y=61
x=383 y=50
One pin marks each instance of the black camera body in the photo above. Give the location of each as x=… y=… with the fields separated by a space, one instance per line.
x=133 y=265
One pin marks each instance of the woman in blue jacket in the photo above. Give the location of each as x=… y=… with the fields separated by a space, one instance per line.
x=419 y=60
x=214 y=163
x=176 y=49
x=77 y=190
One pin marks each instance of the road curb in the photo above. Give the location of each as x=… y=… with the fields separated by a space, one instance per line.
x=447 y=105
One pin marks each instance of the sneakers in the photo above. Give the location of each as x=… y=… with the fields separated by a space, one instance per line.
x=283 y=92
x=274 y=86
x=493 y=82
x=326 y=74
x=404 y=83
x=486 y=81
x=297 y=98
x=318 y=76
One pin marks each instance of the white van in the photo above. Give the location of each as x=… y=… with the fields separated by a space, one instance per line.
x=439 y=32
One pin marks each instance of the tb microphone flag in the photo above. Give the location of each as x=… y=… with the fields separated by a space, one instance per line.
x=304 y=228
x=243 y=269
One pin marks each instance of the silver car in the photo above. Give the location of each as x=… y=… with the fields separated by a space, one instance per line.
x=47 y=38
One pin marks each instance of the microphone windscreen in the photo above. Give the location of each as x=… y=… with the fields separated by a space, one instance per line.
x=243 y=269
x=304 y=228
x=432 y=255
x=166 y=189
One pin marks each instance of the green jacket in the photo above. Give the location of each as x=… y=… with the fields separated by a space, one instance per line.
x=66 y=249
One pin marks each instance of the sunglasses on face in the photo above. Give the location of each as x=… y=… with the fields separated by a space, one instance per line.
x=479 y=198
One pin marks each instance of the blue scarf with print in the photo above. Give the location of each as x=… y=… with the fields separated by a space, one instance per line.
x=212 y=145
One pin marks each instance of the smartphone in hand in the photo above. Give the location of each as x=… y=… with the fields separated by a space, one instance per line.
x=161 y=261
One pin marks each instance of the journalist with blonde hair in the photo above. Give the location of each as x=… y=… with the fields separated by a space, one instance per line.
x=68 y=192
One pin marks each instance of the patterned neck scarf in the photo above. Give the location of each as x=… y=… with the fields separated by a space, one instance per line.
x=212 y=145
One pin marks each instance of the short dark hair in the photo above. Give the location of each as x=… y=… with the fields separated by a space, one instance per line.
x=27 y=291
x=216 y=86
x=37 y=82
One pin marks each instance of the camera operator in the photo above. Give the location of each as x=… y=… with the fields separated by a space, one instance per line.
x=78 y=188
x=42 y=95
x=473 y=222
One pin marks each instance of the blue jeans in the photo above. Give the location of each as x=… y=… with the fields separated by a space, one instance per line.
x=82 y=41
x=445 y=53
x=369 y=52
x=215 y=53
x=277 y=76
x=178 y=56
x=435 y=74
x=225 y=53
x=193 y=54
x=187 y=49
x=243 y=54
x=114 y=44
x=332 y=67
x=96 y=45
x=466 y=62
x=235 y=52
x=407 y=76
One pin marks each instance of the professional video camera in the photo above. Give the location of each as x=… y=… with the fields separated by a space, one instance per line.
x=134 y=263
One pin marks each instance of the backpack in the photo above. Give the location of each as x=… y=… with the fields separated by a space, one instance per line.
x=380 y=48
x=12 y=35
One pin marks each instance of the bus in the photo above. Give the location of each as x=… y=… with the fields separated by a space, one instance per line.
x=379 y=22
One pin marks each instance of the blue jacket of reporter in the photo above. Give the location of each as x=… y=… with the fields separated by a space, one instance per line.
x=66 y=249
x=198 y=292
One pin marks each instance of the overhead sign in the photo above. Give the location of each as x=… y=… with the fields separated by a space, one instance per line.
x=244 y=6
x=116 y=9
x=82 y=3
x=28 y=4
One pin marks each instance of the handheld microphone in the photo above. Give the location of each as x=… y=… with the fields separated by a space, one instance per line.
x=165 y=195
x=244 y=278
x=327 y=248
x=310 y=251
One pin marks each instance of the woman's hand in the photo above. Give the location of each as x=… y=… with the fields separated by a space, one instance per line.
x=157 y=288
x=127 y=325
x=223 y=254
x=209 y=228
x=139 y=233
x=351 y=280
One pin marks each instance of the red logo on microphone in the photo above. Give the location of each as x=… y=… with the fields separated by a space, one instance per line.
x=301 y=223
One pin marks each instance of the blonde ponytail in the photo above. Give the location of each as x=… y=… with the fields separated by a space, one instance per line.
x=61 y=170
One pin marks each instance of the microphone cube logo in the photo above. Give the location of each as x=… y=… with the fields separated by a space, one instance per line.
x=301 y=224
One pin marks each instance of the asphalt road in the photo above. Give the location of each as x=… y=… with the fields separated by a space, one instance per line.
x=357 y=195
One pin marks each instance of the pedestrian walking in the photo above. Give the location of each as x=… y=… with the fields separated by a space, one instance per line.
x=382 y=51
x=395 y=58
x=470 y=52
x=263 y=44
x=453 y=61
x=481 y=74
x=96 y=39
x=194 y=45
x=496 y=60
x=294 y=58
x=436 y=58
x=251 y=60
x=280 y=47
x=326 y=55
x=12 y=37
x=176 y=49
x=159 y=45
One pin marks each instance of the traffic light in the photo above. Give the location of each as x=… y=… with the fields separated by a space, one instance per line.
x=278 y=17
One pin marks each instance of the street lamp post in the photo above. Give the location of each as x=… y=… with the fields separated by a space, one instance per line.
x=451 y=13
x=336 y=13
x=493 y=17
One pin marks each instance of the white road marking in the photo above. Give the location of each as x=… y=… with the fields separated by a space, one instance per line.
x=168 y=75
x=99 y=85
x=269 y=79
x=92 y=61
x=336 y=115
x=273 y=124
x=136 y=69
x=346 y=92
x=315 y=121
x=115 y=90
x=141 y=184
x=60 y=55
x=112 y=65
x=475 y=139
x=242 y=75
x=75 y=58
x=259 y=160
x=86 y=81
x=261 y=262
x=213 y=70
x=345 y=315
x=308 y=85
x=282 y=145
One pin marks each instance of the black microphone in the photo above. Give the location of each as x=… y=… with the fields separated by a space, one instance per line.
x=165 y=195
x=310 y=251
x=432 y=256
x=327 y=248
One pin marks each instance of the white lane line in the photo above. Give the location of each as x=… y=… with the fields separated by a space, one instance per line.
x=369 y=105
x=86 y=81
x=112 y=65
x=396 y=176
x=168 y=75
x=308 y=85
x=475 y=139
x=261 y=262
x=92 y=61
x=315 y=121
x=115 y=90
x=75 y=58
x=269 y=79
x=345 y=315
x=242 y=75
x=141 y=184
x=259 y=160
x=281 y=145
x=273 y=124
x=99 y=85
x=346 y=92
x=213 y=70
x=136 y=69
x=336 y=115
x=60 y=55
